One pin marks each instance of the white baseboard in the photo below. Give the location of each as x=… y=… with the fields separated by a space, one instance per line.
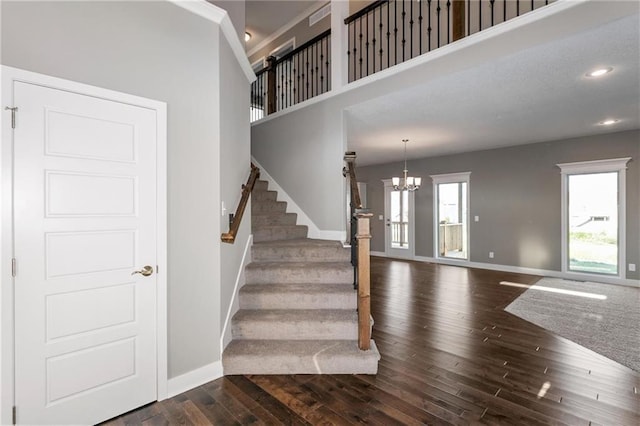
x=292 y=207
x=225 y=337
x=194 y=378
x=522 y=270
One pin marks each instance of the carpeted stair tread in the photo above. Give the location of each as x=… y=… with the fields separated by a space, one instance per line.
x=304 y=295
x=299 y=357
x=263 y=196
x=279 y=232
x=268 y=206
x=297 y=250
x=295 y=324
x=298 y=272
x=279 y=218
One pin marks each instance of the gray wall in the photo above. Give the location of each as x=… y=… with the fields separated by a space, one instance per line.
x=516 y=193
x=160 y=51
x=235 y=167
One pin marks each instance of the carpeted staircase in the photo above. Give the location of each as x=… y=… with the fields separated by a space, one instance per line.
x=298 y=306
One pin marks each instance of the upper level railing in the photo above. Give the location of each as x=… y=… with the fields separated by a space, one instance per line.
x=295 y=77
x=381 y=35
x=235 y=219
x=389 y=32
x=360 y=237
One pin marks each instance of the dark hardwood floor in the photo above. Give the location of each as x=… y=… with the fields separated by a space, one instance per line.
x=450 y=355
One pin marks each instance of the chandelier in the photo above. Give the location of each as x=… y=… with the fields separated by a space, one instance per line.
x=408 y=183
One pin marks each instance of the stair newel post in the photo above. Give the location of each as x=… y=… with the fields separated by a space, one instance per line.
x=271 y=85
x=364 y=280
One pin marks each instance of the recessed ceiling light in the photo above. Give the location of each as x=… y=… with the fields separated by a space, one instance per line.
x=608 y=122
x=599 y=72
x=247 y=36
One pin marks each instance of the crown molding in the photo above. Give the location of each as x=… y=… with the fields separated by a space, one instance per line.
x=220 y=16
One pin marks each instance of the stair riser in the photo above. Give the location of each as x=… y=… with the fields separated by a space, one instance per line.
x=261 y=185
x=269 y=207
x=302 y=301
x=273 y=219
x=257 y=196
x=308 y=274
x=304 y=330
x=298 y=365
x=277 y=233
x=300 y=254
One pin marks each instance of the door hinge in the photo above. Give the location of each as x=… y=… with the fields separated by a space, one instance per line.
x=13 y=115
x=13 y=267
x=14 y=415
x=157 y=269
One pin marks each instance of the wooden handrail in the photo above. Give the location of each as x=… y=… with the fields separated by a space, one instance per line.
x=234 y=225
x=360 y=254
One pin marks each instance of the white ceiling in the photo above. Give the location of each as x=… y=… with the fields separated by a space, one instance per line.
x=539 y=94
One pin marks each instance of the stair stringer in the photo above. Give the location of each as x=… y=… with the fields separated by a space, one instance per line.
x=234 y=305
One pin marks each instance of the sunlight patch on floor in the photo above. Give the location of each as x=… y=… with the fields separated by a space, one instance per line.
x=556 y=290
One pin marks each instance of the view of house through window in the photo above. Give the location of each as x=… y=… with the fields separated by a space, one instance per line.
x=593 y=223
x=452 y=219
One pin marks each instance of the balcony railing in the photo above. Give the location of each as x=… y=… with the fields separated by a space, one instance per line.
x=389 y=32
x=383 y=34
x=297 y=76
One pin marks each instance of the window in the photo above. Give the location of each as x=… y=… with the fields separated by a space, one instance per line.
x=451 y=215
x=593 y=217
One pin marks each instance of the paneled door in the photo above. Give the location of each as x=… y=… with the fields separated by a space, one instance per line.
x=85 y=243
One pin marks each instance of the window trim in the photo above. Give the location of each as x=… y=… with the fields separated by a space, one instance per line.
x=618 y=165
x=459 y=177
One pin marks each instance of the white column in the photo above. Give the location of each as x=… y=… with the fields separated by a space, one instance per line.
x=339 y=44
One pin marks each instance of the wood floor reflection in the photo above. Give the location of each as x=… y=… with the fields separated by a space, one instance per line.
x=450 y=355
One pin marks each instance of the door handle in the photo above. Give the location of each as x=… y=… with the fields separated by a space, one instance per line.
x=145 y=271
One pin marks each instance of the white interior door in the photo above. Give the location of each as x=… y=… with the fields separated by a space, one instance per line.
x=399 y=222
x=84 y=220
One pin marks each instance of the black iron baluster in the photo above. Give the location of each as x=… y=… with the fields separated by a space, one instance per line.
x=381 y=26
x=354 y=51
x=429 y=28
x=295 y=78
x=395 y=32
x=438 y=9
x=504 y=11
x=306 y=74
x=290 y=99
x=517 y=7
x=366 y=20
x=281 y=87
x=388 y=36
x=373 y=40
x=314 y=69
x=327 y=61
x=411 y=27
x=420 y=24
x=532 y=5
x=480 y=15
x=321 y=66
x=360 y=59
x=404 y=39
